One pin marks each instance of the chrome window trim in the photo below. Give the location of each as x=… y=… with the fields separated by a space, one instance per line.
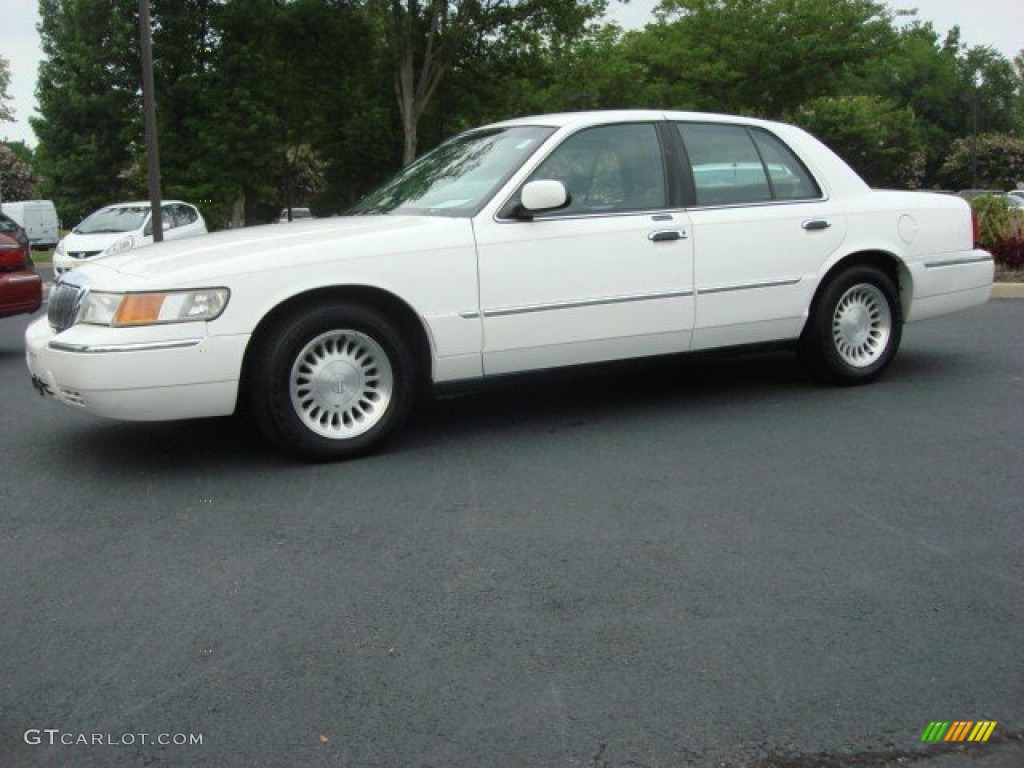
x=596 y=215
x=759 y=204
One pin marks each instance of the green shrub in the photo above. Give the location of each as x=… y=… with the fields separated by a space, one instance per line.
x=991 y=160
x=1001 y=230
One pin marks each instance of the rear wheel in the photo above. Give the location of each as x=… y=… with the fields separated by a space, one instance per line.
x=854 y=329
x=331 y=382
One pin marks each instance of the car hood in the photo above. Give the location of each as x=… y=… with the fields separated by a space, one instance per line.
x=96 y=242
x=219 y=256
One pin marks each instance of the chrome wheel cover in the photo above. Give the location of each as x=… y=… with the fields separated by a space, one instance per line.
x=341 y=384
x=862 y=325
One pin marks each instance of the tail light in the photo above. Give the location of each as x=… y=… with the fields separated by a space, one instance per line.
x=13 y=256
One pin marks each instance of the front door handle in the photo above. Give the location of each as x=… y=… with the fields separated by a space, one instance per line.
x=664 y=235
x=814 y=224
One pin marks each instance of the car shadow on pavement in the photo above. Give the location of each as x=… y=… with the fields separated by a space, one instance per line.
x=215 y=444
x=658 y=388
x=647 y=392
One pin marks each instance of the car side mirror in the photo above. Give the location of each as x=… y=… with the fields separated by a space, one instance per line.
x=542 y=196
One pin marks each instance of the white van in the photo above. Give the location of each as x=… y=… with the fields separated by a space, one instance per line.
x=122 y=227
x=38 y=218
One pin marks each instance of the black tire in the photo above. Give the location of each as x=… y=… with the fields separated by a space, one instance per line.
x=330 y=382
x=854 y=328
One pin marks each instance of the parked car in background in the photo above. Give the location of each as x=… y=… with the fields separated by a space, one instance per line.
x=297 y=214
x=971 y=194
x=21 y=289
x=546 y=241
x=39 y=220
x=1016 y=202
x=122 y=227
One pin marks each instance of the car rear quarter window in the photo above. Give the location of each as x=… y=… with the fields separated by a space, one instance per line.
x=790 y=179
x=736 y=165
x=184 y=215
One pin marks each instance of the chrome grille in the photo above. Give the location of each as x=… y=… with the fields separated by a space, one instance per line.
x=82 y=254
x=63 y=307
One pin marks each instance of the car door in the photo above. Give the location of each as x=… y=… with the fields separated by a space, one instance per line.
x=762 y=229
x=609 y=276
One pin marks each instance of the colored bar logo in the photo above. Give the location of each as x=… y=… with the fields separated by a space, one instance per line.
x=959 y=730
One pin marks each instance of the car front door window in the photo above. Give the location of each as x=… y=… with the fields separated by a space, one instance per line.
x=611 y=169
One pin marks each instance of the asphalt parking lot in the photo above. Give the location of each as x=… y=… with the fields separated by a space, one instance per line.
x=685 y=564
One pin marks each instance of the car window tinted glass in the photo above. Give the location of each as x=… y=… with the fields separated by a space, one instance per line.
x=790 y=179
x=8 y=225
x=113 y=220
x=185 y=214
x=610 y=169
x=726 y=166
x=458 y=177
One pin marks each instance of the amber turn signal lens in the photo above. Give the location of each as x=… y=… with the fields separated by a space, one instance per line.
x=140 y=309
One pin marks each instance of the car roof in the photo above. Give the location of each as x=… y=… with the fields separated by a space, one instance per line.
x=600 y=117
x=140 y=203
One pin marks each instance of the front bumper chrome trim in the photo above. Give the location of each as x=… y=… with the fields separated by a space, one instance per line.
x=139 y=346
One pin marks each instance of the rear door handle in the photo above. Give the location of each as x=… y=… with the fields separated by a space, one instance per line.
x=664 y=235
x=813 y=224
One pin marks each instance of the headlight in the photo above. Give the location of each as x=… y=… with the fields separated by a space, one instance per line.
x=124 y=244
x=127 y=309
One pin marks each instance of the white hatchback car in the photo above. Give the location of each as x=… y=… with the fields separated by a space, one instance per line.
x=124 y=226
x=540 y=242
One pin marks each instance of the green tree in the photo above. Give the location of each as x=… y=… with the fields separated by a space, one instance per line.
x=592 y=70
x=254 y=96
x=17 y=181
x=953 y=90
x=875 y=136
x=426 y=40
x=761 y=57
x=6 y=111
x=89 y=110
x=991 y=161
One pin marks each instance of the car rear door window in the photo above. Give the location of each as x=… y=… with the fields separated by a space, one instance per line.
x=736 y=165
x=725 y=164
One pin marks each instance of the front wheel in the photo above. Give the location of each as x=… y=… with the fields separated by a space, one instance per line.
x=331 y=382
x=854 y=328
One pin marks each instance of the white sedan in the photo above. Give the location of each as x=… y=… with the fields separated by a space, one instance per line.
x=529 y=244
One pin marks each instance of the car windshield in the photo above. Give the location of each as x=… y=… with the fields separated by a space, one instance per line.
x=458 y=177
x=119 y=219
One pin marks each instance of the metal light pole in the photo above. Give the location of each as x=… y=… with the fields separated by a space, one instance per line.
x=149 y=111
x=976 y=94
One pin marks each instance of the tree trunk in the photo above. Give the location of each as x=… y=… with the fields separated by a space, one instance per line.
x=407 y=107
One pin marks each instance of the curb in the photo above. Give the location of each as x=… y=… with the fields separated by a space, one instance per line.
x=1008 y=290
